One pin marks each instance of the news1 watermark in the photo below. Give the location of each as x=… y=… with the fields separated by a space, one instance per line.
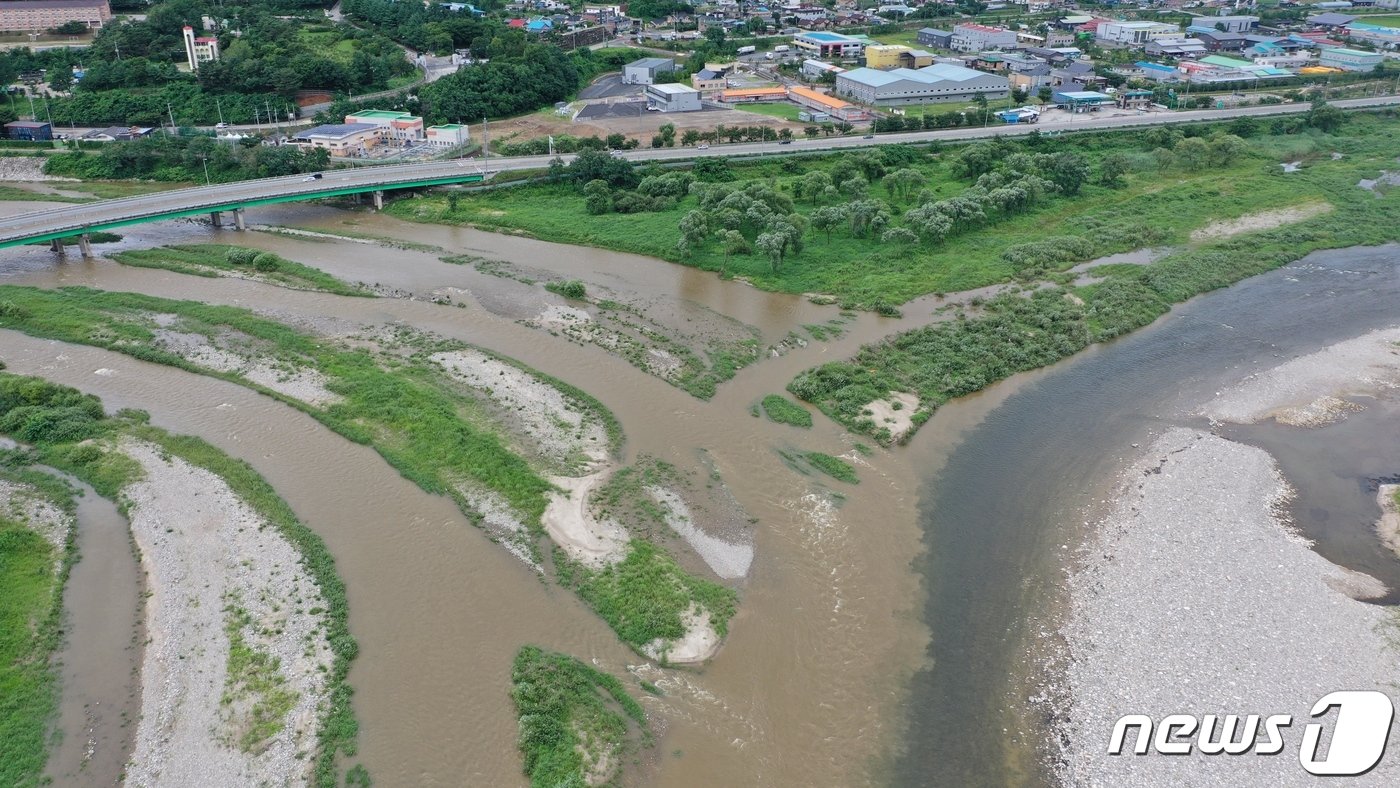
x=1359 y=730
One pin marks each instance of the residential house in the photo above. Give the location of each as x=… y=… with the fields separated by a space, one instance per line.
x=708 y=81
x=1030 y=80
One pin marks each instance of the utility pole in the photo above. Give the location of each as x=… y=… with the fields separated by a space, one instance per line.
x=173 y=131
x=485 y=138
x=220 y=107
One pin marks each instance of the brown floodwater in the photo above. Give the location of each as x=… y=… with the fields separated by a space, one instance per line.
x=101 y=649
x=807 y=689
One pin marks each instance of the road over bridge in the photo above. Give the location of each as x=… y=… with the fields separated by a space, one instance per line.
x=78 y=220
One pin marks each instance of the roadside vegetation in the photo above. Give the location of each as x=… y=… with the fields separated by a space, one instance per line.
x=32 y=574
x=577 y=723
x=214 y=260
x=878 y=227
x=1019 y=331
x=69 y=430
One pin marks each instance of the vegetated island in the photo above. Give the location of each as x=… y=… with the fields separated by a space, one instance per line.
x=519 y=452
x=577 y=723
x=215 y=260
x=244 y=668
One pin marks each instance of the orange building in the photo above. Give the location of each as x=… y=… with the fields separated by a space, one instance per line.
x=739 y=95
x=821 y=102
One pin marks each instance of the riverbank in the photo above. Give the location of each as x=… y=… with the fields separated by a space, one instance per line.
x=1197 y=594
x=234 y=676
x=1197 y=598
x=244 y=665
x=36 y=551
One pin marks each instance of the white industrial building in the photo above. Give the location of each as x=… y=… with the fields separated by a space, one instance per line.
x=1134 y=34
x=673 y=97
x=931 y=84
x=969 y=37
x=646 y=70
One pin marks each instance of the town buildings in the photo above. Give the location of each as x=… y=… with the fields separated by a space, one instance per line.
x=673 y=97
x=646 y=70
x=199 y=49
x=937 y=83
x=34 y=16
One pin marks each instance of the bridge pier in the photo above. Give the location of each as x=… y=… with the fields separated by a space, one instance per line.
x=379 y=200
x=59 y=249
x=85 y=245
x=238 y=220
x=217 y=218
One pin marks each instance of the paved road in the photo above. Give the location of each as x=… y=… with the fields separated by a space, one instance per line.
x=77 y=218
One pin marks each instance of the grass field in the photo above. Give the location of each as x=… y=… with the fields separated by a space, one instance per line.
x=32 y=574
x=1014 y=333
x=211 y=260
x=776 y=109
x=1154 y=206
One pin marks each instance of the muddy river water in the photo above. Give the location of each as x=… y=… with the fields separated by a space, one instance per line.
x=880 y=640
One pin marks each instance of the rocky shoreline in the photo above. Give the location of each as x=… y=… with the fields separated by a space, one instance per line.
x=1195 y=595
x=236 y=659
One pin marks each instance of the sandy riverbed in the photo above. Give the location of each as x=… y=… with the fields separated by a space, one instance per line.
x=1264 y=220
x=206 y=553
x=1311 y=390
x=1197 y=597
x=24 y=503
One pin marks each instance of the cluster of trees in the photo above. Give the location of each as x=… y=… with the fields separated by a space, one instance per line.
x=176 y=159
x=432 y=27
x=541 y=75
x=131 y=69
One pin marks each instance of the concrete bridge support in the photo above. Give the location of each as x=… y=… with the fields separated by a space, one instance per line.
x=238 y=220
x=59 y=249
x=379 y=200
x=217 y=218
x=85 y=245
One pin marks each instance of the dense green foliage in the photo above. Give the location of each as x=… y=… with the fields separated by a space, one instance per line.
x=56 y=418
x=785 y=411
x=574 y=719
x=835 y=467
x=131 y=75
x=1016 y=332
x=647 y=594
x=878 y=227
x=32 y=575
x=214 y=259
x=186 y=159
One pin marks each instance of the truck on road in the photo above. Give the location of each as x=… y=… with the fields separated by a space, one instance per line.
x=747 y=50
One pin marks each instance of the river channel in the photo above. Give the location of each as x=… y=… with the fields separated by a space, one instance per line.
x=881 y=640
